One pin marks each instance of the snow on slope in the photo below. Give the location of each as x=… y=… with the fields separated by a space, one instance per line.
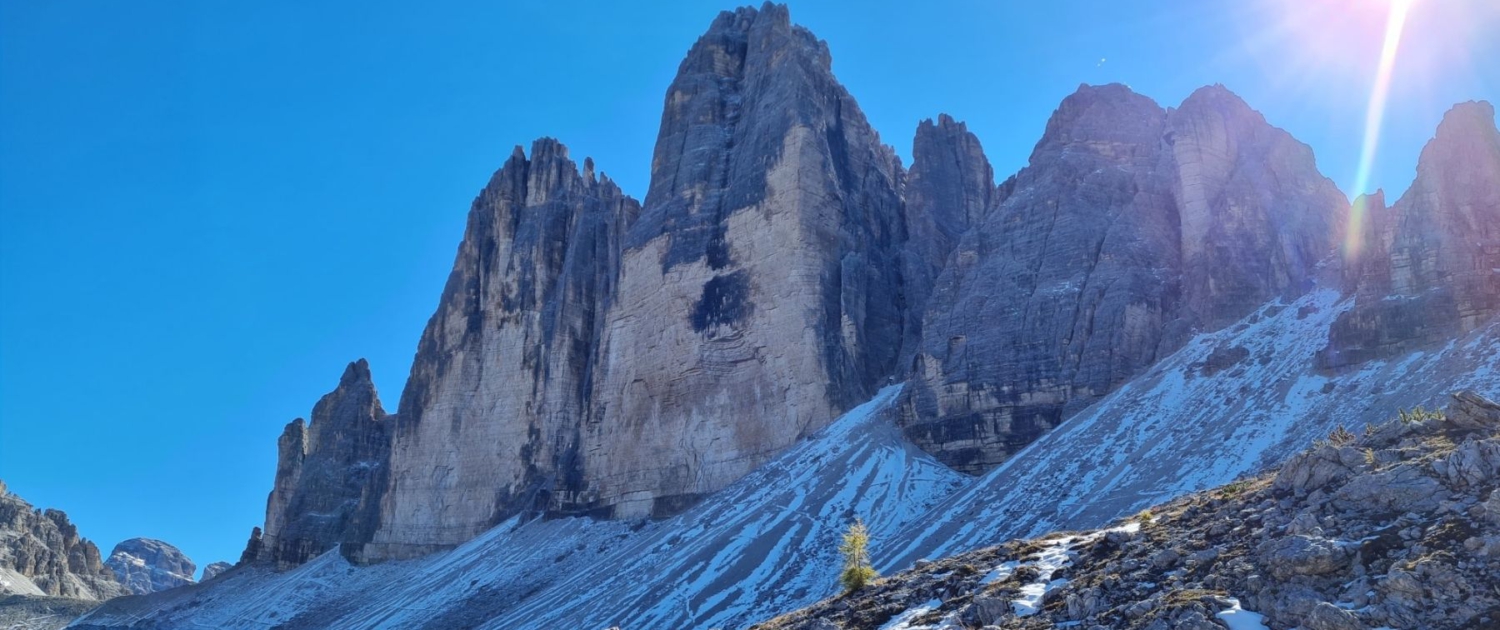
x=1183 y=427
x=764 y=545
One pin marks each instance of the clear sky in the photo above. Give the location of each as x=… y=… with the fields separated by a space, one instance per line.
x=208 y=208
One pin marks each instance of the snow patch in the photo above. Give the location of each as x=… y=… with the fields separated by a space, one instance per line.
x=1238 y=618
x=904 y=620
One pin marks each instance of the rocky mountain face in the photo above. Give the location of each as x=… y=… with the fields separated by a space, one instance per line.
x=1131 y=228
x=1396 y=527
x=1428 y=267
x=491 y=417
x=212 y=570
x=41 y=553
x=761 y=290
x=145 y=565
x=949 y=189
x=329 y=474
x=591 y=355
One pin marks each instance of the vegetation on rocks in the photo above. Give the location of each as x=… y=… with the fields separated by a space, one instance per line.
x=1398 y=527
x=856 y=551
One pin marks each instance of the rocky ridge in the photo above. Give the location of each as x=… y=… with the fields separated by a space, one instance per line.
x=761 y=290
x=145 y=565
x=595 y=356
x=329 y=475
x=1391 y=525
x=1131 y=229
x=41 y=554
x=1427 y=268
x=213 y=570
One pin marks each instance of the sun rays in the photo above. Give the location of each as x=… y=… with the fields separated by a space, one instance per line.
x=1374 y=118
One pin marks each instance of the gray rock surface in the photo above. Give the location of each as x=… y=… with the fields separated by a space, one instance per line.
x=41 y=554
x=1227 y=557
x=212 y=570
x=330 y=474
x=761 y=290
x=1427 y=268
x=146 y=565
x=949 y=189
x=500 y=391
x=1130 y=228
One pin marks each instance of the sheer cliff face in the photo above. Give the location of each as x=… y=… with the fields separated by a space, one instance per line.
x=41 y=553
x=490 y=418
x=591 y=355
x=1255 y=214
x=761 y=290
x=1428 y=267
x=330 y=474
x=1131 y=228
x=949 y=189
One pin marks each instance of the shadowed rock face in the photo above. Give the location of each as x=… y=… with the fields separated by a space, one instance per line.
x=1131 y=228
x=329 y=474
x=761 y=291
x=949 y=189
x=44 y=555
x=145 y=566
x=1428 y=268
x=489 y=422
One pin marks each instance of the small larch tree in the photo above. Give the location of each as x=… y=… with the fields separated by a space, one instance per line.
x=856 y=550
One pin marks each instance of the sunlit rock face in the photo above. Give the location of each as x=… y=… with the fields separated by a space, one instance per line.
x=1131 y=228
x=1428 y=268
x=330 y=474
x=761 y=291
x=41 y=553
x=145 y=565
x=213 y=570
x=490 y=420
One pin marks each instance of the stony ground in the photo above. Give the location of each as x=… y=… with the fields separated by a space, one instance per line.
x=30 y=612
x=1391 y=526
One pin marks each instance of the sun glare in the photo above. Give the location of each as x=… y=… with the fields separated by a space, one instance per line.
x=1374 y=117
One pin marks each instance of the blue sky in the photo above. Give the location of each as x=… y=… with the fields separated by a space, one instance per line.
x=207 y=209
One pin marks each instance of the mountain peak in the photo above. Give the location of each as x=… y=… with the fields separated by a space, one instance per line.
x=147 y=565
x=1466 y=117
x=356 y=373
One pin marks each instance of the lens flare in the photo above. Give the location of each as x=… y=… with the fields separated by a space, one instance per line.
x=1374 y=117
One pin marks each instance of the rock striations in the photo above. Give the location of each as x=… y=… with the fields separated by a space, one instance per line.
x=591 y=355
x=145 y=565
x=761 y=290
x=41 y=553
x=1427 y=268
x=329 y=474
x=1132 y=228
x=491 y=418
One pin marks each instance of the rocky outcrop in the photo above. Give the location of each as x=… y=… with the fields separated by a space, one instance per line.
x=949 y=189
x=41 y=553
x=761 y=291
x=1255 y=215
x=1282 y=550
x=212 y=570
x=145 y=565
x=1427 y=268
x=1131 y=228
x=490 y=421
x=330 y=474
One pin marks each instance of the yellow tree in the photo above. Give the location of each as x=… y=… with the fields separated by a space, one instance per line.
x=856 y=549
